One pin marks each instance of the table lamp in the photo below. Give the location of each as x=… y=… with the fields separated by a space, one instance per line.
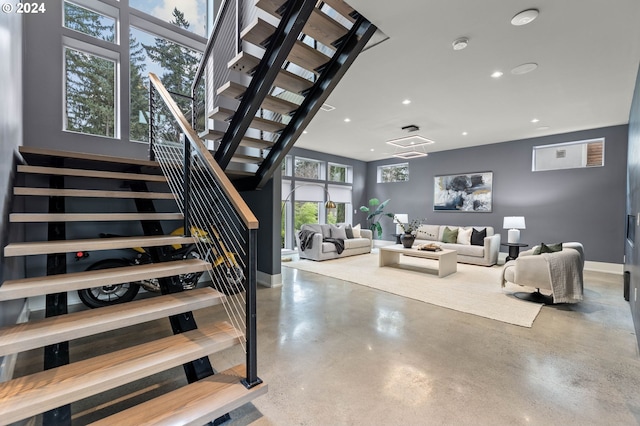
x=514 y=224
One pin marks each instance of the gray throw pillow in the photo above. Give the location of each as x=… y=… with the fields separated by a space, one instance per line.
x=337 y=232
x=348 y=231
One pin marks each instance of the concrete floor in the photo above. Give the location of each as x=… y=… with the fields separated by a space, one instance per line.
x=336 y=353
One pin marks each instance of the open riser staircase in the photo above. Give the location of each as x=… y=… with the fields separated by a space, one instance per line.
x=264 y=86
x=51 y=183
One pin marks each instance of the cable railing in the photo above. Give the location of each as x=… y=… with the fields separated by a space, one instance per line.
x=214 y=212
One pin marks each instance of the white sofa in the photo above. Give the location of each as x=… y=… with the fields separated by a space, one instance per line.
x=484 y=255
x=320 y=249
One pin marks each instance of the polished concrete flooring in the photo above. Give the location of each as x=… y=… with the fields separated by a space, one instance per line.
x=336 y=353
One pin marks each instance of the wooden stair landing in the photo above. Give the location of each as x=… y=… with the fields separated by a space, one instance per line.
x=22 y=397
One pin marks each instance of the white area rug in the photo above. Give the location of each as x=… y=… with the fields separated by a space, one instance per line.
x=472 y=289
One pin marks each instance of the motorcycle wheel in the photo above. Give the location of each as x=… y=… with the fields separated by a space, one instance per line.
x=97 y=297
x=233 y=282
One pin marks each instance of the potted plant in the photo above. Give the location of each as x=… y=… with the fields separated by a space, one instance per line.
x=410 y=229
x=376 y=211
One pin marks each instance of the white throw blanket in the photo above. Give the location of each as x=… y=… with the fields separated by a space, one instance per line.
x=565 y=273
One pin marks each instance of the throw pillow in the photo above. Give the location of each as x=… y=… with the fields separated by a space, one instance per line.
x=348 y=231
x=548 y=248
x=337 y=232
x=427 y=232
x=464 y=236
x=356 y=231
x=450 y=235
x=477 y=237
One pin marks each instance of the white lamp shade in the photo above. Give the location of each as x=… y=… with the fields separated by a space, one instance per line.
x=513 y=222
x=402 y=218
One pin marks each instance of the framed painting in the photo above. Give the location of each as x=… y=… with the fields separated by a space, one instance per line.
x=465 y=192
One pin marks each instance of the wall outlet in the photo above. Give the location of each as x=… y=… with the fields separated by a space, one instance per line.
x=635 y=294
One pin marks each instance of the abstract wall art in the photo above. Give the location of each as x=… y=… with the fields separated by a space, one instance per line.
x=465 y=192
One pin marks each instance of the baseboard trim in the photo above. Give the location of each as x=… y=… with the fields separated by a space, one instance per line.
x=8 y=362
x=268 y=280
x=609 y=268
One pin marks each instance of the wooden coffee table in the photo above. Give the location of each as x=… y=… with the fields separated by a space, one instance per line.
x=447 y=259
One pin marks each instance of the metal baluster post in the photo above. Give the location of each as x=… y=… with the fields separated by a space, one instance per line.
x=187 y=183
x=252 y=378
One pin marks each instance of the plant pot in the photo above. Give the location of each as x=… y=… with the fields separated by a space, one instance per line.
x=407 y=240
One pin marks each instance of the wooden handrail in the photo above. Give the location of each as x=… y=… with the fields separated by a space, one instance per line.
x=244 y=212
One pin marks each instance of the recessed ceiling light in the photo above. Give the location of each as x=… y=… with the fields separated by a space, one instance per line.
x=304 y=132
x=372 y=150
x=497 y=74
x=460 y=43
x=524 y=17
x=347 y=120
x=406 y=102
x=524 y=68
x=464 y=133
x=535 y=120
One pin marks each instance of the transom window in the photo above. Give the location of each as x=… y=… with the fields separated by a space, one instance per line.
x=569 y=155
x=393 y=173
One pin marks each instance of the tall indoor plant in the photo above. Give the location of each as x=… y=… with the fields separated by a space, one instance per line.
x=376 y=211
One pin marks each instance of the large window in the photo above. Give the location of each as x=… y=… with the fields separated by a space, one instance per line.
x=90 y=93
x=393 y=173
x=173 y=63
x=193 y=12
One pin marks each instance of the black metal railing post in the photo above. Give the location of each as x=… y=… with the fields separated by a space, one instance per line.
x=187 y=184
x=252 y=378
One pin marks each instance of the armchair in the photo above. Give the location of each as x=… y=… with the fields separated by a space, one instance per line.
x=559 y=273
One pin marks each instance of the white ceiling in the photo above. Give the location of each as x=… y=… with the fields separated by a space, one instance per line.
x=588 y=52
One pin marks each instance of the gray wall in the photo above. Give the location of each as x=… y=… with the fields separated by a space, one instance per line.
x=10 y=140
x=632 y=263
x=585 y=205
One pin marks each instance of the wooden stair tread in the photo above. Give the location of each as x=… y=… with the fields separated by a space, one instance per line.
x=258 y=32
x=36 y=286
x=90 y=217
x=255 y=143
x=323 y=28
x=243 y=62
x=92 y=244
x=29 y=395
x=48 y=331
x=342 y=8
x=307 y=57
x=292 y=82
x=211 y=134
x=90 y=173
x=247 y=159
x=225 y=114
x=271 y=6
x=197 y=403
x=235 y=90
x=90 y=193
x=86 y=156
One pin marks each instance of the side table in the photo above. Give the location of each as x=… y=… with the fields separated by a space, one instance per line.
x=514 y=250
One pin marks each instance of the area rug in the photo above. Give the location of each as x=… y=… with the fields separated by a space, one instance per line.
x=472 y=289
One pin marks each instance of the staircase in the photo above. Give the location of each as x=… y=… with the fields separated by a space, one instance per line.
x=51 y=177
x=289 y=57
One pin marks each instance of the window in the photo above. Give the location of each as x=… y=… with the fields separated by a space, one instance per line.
x=309 y=169
x=393 y=173
x=569 y=155
x=191 y=15
x=88 y=22
x=339 y=173
x=306 y=212
x=173 y=63
x=339 y=214
x=90 y=95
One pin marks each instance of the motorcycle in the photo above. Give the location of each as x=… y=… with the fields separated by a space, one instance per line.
x=223 y=264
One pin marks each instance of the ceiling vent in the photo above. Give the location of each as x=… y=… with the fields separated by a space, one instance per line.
x=561 y=153
x=327 y=107
x=411 y=128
